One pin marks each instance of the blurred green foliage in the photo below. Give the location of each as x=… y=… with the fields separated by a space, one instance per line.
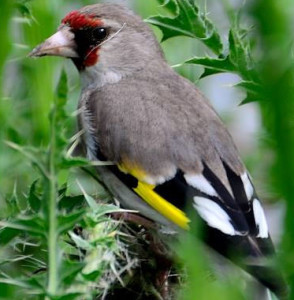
x=261 y=55
x=275 y=28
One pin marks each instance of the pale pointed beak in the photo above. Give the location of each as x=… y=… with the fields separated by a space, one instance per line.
x=61 y=43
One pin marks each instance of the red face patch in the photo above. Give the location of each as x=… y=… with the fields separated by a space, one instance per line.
x=77 y=20
x=91 y=58
x=80 y=22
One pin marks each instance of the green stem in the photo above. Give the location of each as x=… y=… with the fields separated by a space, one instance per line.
x=52 y=234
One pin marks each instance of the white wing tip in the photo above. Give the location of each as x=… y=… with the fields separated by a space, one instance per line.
x=248 y=187
x=260 y=219
x=214 y=215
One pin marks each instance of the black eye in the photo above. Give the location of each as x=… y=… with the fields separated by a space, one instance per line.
x=99 y=33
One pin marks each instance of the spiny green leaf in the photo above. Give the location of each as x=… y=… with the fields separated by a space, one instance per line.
x=30 y=154
x=209 y=72
x=28 y=224
x=62 y=90
x=93 y=276
x=91 y=201
x=68 y=203
x=217 y=65
x=31 y=285
x=80 y=242
x=254 y=91
x=189 y=21
x=104 y=209
x=251 y=86
x=240 y=55
x=7 y=234
x=70 y=271
x=249 y=98
x=13 y=203
x=69 y=221
x=15 y=259
x=16 y=282
x=99 y=209
x=34 y=200
x=58 y=114
x=71 y=162
x=89 y=182
x=170 y=5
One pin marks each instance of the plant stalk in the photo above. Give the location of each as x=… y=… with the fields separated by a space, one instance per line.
x=52 y=217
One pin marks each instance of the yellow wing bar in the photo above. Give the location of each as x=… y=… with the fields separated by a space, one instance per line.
x=146 y=192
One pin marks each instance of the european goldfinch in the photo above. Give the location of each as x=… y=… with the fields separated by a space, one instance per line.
x=170 y=148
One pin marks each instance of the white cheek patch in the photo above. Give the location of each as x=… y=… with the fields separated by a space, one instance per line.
x=214 y=215
x=260 y=219
x=199 y=182
x=249 y=190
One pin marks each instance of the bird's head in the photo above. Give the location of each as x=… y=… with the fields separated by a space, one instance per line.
x=105 y=37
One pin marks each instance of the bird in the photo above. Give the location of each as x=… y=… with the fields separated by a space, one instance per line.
x=170 y=150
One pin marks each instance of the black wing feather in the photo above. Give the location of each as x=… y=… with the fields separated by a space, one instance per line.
x=245 y=245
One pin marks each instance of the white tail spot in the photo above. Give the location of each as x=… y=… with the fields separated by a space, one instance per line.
x=260 y=219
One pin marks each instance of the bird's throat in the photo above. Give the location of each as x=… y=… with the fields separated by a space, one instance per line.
x=90 y=59
x=97 y=76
